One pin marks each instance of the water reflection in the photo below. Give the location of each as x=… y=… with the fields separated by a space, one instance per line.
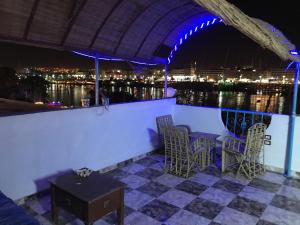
x=71 y=95
x=270 y=102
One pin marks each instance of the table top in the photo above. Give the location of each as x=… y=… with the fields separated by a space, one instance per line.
x=89 y=188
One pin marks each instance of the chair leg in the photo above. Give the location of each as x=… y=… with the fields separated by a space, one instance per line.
x=166 y=163
x=223 y=160
x=242 y=168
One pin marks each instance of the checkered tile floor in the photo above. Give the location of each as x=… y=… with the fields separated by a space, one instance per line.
x=206 y=198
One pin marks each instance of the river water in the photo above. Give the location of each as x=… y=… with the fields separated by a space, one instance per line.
x=71 y=95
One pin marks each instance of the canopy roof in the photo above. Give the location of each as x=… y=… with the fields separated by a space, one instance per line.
x=138 y=30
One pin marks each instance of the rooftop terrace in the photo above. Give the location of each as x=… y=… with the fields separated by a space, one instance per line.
x=37 y=146
x=206 y=198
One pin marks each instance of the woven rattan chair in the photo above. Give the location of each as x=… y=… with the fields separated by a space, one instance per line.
x=167 y=121
x=247 y=154
x=162 y=122
x=182 y=154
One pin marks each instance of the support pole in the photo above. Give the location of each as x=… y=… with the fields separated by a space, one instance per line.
x=97 y=82
x=292 y=123
x=166 y=80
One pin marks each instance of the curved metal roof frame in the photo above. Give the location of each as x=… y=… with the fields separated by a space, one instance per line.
x=145 y=31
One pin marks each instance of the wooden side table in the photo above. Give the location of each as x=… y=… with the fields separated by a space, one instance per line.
x=88 y=198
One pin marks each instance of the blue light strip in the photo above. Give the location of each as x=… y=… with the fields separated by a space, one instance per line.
x=294 y=52
x=94 y=57
x=112 y=59
x=190 y=33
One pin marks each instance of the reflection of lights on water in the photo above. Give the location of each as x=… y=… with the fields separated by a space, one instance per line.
x=280 y=104
x=220 y=98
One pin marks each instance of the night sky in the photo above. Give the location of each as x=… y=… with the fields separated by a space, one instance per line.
x=217 y=46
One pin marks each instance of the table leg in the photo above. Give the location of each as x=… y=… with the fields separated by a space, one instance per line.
x=54 y=207
x=120 y=211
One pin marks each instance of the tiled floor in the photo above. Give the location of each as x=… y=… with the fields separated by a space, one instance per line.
x=206 y=198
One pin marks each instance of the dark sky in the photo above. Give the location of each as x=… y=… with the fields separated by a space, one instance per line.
x=222 y=45
x=217 y=46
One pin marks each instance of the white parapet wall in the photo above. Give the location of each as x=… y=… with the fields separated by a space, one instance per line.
x=296 y=148
x=209 y=120
x=37 y=146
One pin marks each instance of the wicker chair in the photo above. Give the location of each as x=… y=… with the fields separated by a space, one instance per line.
x=247 y=154
x=162 y=122
x=182 y=154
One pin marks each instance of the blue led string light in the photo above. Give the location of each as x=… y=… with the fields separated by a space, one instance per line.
x=294 y=52
x=190 y=33
x=112 y=59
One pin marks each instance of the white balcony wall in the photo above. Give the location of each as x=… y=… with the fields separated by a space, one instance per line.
x=202 y=119
x=296 y=148
x=209 y=120
x=36 y=146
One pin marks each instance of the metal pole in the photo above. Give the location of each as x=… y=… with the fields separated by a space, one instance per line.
x=292 y=123
x=97 y=82
x=166 y=80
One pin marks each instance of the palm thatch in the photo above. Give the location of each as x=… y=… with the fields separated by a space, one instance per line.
x=129 y=29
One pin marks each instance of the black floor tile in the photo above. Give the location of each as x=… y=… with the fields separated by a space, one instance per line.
x=286 y=203
x=248 y=206
x=264 y=222
x=149 y=173
x=229 y=186
x=154 y=189
x=161 y=211
x=265 y=185
x=191 y=187
x=204 y=208
x=292 y=183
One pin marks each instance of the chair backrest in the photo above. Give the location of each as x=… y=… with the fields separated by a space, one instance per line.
x=176 y=140
x=255 y=138
x=162 y=122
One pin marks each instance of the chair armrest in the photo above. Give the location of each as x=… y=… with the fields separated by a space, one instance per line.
x=184 y=127
x=233 y=144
